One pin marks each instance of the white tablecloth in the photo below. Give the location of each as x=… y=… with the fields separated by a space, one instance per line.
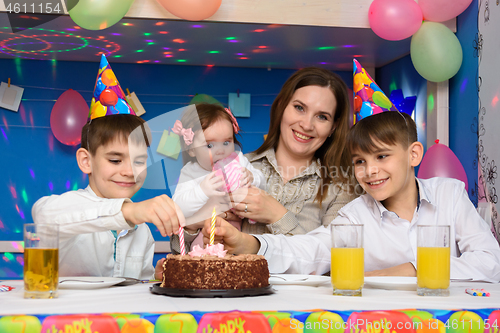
x=138 y=299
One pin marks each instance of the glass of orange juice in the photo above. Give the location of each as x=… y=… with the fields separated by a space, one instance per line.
x=41 y=260
x=433 y=260
x=347 y=265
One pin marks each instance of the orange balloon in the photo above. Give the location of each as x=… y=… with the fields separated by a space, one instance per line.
x=191 y=10
x=109 y=78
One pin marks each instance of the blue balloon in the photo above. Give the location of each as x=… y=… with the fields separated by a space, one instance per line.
x=366 y=110
x=375 y=87
x=122 y=107
x=99 y=87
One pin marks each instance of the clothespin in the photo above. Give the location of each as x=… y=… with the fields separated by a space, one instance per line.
x=128 y=91
x=238 y=92
x=8 y=82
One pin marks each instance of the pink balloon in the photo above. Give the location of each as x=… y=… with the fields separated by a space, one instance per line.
x=191 y=10
x=442 y=10
x=440 y=161
x=68 y=116
x=395 y=19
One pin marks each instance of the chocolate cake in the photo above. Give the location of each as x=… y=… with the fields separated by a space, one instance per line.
x=211 y=272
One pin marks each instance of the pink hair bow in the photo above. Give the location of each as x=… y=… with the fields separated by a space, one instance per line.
x=187 y=133
x=236 y=128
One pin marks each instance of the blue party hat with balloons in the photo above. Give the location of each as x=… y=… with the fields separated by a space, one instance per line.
x=368 y=97
x=108 y=97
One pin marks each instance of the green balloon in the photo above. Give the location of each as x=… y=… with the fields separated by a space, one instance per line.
x=204 y=98
x=97 y=15
x=435 y=52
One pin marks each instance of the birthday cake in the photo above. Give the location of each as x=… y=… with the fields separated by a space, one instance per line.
x=211 y=268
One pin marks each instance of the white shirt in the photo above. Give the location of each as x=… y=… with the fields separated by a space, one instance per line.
x=188 y=193
x=390 y=240
x=87 y=246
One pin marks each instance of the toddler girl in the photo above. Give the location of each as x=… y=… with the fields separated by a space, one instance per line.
x=208 y=135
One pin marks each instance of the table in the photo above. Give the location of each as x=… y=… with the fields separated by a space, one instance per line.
x=289 y=305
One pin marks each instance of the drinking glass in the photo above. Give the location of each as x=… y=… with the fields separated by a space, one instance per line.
x=433 y=260
x=41 y=260
x=347 y=265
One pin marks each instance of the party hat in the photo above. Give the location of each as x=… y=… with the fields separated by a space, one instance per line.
x=108 y=97
x=368 y=97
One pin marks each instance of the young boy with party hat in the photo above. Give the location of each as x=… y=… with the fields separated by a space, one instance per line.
x=385 y=151
x=101 y=231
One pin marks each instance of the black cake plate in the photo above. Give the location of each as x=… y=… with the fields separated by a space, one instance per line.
x=211 y=293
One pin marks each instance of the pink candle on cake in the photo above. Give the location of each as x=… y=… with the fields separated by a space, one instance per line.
x=181 y=240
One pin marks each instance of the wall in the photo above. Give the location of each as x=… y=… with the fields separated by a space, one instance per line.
x=35 y=164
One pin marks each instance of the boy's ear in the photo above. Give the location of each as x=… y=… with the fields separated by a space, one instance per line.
x=416 y=150
x=84 y=160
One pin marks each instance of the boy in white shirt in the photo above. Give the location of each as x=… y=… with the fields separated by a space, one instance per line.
x=385 y=151
x=101 y=231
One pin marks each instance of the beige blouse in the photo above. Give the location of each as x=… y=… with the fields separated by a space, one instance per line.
x=298 y=197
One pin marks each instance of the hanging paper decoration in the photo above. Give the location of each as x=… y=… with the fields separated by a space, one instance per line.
x=368 y=97
x=170 y=145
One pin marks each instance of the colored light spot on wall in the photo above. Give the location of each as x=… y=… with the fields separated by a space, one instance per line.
x=393 y=86
x=148 y=40
x=116 y=34
x=163 y=32
x=159 y=23
x=20 y=260
x=147 y=34
x=22 y=112
x=51 y=186
x=240 y=54
x=32 y=123
x=230 y=38
x=197 y=26
x=151 y=43
x=181 y=50
x=259 y=30
x=348 y=45
x=494 y=101
x=168 y=56
x=4 y=134
x=68 y=185
x=5 y=123
x=18 y=246
x=243 y=58
x=463 y=86
x=213 y=51
x=13 y=191
x=181 y=60
x=262 y=47
x=178 y=40
x=9 y=256
x=24 y=195
x=117 y=56
x=166 y=48
x=323 y=63
x=327 y=48
x=128 y=24
x=1 y=225
x=32 y=173
x=233 y=41
x=139 y=51
x=51 y=141
x=75 y=187
x=430 y=104
x=20 y=212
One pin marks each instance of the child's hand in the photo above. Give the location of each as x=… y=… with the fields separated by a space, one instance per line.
x=211 y=184
x=162 y=211
x=246 y=177
x=159 y=269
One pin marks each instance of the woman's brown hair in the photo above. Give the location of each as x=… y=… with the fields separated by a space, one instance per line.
x=334 y=158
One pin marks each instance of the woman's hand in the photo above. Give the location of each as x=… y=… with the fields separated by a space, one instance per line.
x=234 y=240
x=256 y=204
